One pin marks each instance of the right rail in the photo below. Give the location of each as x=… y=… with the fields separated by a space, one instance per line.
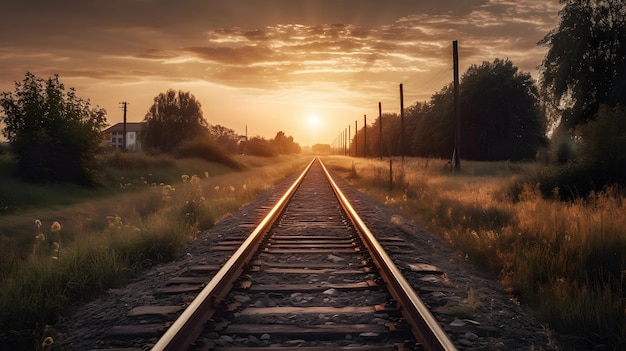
x=423 y=325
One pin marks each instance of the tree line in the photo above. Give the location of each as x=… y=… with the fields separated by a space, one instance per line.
x=176 y=119
x=579 y=102
x=56 y=136
x=501 y=120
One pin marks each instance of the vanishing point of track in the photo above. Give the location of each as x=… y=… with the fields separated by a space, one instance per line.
x=311 y=248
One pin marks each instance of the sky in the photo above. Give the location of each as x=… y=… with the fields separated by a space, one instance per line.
x=308 y=68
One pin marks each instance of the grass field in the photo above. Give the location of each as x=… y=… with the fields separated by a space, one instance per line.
x=564 y=259
x=61 y=244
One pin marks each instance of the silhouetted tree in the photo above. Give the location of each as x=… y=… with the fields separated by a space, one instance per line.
x=285 y=145
x=173 y=118
x=501 y=118
x=225 y=138
x=586 y=62
x=258 y=146
x=321 y=148
x=54 y=134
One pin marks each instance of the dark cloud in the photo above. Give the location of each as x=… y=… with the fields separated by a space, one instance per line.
x=278 y=44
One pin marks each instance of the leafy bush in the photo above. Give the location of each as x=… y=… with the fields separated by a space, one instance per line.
x=604 y=144
x=54 y=134
x=258 y=146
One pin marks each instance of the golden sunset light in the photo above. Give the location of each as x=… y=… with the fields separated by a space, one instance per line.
x=265 y=64
x=235 y=152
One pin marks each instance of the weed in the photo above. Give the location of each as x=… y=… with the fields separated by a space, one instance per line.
x=566 y=259
x=106 y=241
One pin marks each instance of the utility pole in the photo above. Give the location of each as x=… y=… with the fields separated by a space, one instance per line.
x=356 y=141
x=345 y=142
x=350 y=142
x=457 y=108
x=124 y=107
x=380 y=127
x=365 y=136
x=401 y=122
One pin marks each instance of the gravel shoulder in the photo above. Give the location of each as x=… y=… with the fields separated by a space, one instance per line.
x=458 y=293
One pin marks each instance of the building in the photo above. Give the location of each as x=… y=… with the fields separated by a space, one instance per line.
x=114 y=138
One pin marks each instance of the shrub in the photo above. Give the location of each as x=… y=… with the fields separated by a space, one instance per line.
x=604 y=144
x=206 y=150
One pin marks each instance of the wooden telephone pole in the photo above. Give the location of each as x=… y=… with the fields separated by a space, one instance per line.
x=457 y=108
x=124 y=107
x=401 y=123
x=365 y=136
x=380 y=128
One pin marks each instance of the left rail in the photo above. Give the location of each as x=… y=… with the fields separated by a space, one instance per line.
x=188 y=326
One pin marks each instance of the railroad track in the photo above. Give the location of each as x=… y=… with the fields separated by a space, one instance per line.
x=310 y=275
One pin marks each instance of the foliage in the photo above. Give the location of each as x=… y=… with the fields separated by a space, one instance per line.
x=285 y=145
x=224 y=138
x=280 y=145
x=500 y=113
x=101 y=250
x=54 y=134
x=500 y=119
x=207 y=150
x=173 y=118
x=563 y=259
x=321 y=148
x=259 y=146
x=585 y=66
x=604 y=143
x=600 y=156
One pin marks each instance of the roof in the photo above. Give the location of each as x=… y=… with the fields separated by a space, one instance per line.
x=130 y=127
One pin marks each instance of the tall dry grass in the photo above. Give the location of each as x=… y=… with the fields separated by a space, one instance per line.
x=88 y=252
x=565 y=259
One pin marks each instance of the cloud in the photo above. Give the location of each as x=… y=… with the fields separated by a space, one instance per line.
x=360 y=48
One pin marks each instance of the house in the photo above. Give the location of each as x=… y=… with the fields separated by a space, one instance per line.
x=114 y=138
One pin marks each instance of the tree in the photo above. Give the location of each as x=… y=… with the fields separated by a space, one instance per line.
x=586 y=62
x=54 y=134
x=501 y=117
x=321 y=149
x=285 y=145
x=604 y=144
x=225 y=138
x=173 y=118
x=259 y=146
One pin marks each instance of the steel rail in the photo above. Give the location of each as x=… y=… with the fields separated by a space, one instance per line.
x=186 y=329
x=423 y=325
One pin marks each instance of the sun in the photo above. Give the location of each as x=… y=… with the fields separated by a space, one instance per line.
x=313 y=120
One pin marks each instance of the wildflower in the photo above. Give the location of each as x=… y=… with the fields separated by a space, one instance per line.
x=194 y=179
x=245 y=186
x=40 y=237
x=47 y=341
x=232 y=188
x=217 y=188
x=56 y=227
x=38 y=223
x=206 y=175
x=185 y=178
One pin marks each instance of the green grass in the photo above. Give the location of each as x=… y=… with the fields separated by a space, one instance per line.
x=565 y=259
x=144 y=214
